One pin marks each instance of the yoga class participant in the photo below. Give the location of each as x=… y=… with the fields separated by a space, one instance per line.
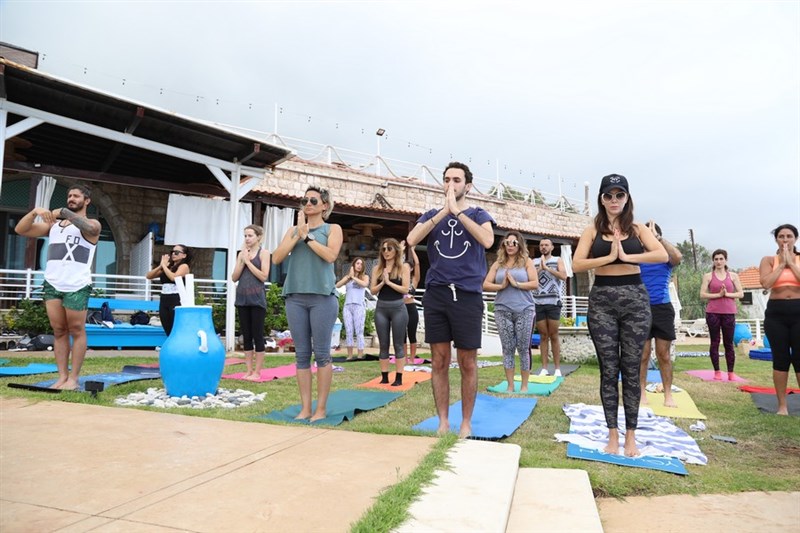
x=619 y=307
x=177 y=263
x=411 y=308
x=390 y=281
x=252 y=271
x=721 y=288
x=355 y=308
x=552 y=274
x=781 y=274
x=311 y=248
x=513 y=276
x=67 y=276
x=458 y=236
x=656 y=278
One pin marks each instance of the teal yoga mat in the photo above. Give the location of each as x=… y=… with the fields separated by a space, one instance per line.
x=4 y=361
x=493 y=418
x=342 y=405
x=664 y=464
x=534 y=389
x=31 y=369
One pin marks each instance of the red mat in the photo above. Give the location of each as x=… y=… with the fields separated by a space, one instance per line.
x=268 y=374
x=766 y=390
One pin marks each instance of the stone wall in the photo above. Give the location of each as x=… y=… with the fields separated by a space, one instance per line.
x=576 y=345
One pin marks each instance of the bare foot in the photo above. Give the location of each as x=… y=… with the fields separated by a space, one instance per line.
x=643 y=399
x=303 y=415
x=782 y=411
x=318 y=416
x=350 y=359
x=466 y=430
x=669 y=401
x=523 y=390
x=444 y=428
x=613 y=442
x=630 y=448
x=70 y=384
x=252 y=377
x=509 y=390
x=58 y=384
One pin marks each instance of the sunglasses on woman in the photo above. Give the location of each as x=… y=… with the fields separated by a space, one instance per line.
x=314 y=201
x=511 y=242
x=387 y=248
x=619 y=196
x=177 y=252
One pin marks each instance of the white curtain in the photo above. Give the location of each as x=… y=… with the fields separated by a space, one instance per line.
x=202 y=222
x=44 y=192
x=566 y=256
x=277 y=222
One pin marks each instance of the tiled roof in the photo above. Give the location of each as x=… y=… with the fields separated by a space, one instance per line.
x=750 y=278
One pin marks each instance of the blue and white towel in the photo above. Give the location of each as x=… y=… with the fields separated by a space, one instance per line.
x=655 y=435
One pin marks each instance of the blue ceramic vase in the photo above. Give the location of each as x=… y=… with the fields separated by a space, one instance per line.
x=192 y=358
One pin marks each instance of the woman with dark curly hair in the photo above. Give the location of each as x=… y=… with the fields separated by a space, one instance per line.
x=175 y=264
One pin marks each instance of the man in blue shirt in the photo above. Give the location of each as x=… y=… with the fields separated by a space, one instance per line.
x=458 y=236
x=656 y=278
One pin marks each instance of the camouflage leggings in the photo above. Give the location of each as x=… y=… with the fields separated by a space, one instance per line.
x=619 y=322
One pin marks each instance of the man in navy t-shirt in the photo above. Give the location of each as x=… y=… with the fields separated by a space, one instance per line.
x=458 y=236
x=656 y=278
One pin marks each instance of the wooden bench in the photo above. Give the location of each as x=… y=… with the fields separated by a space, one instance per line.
x=124 y=335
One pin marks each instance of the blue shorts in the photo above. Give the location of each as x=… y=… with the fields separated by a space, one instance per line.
x=453 y=320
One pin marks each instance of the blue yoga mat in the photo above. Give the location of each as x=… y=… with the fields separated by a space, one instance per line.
x=493 y=418
x=534 y=389
x=653 y=376
x=342 y=404
x=761 y=355
x=31 y=369
x=664 y=464
x=112 y=378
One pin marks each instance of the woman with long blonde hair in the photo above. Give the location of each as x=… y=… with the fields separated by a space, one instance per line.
x=513 y=276
x=390 y=281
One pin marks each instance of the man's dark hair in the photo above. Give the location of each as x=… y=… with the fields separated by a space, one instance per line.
x=658 y=230
x=462 y=166
x=84 y=190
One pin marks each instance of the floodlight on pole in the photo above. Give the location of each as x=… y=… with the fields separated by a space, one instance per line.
x=380 y=133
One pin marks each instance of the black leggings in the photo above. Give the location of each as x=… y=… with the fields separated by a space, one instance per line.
x=166 y=311
x=251 y=322
x=619 y=322
x=782 y=326
x=413 y=323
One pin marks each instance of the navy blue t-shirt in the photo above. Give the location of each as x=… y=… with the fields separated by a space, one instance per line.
x=454 y=254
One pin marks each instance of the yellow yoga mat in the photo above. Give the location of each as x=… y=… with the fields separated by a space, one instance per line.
x=686 y=407
x=537 y=379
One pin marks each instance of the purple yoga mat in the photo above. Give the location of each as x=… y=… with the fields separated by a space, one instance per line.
x=708 y=375
x=268 y=374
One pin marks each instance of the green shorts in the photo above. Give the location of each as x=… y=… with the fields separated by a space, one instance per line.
x=76 y=301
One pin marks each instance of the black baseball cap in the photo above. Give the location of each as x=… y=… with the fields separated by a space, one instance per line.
x=614 y=181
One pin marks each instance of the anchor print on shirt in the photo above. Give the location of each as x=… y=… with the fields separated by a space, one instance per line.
x=452 y=233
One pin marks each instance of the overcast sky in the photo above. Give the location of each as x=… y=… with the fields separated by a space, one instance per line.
x=697 y=103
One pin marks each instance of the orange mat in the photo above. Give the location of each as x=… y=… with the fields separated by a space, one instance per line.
x=409 y=380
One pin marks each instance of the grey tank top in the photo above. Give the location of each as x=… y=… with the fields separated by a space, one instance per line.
x=250 y=290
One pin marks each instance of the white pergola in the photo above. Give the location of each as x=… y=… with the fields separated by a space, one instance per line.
x=232 y=173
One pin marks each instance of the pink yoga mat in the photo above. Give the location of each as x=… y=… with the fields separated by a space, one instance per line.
x=708 y=375
x=268 y=374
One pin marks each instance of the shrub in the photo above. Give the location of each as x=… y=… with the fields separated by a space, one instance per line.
x=276 y=310
x=30 y=316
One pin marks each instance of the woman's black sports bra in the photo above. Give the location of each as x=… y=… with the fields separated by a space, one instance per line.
x=631 y=245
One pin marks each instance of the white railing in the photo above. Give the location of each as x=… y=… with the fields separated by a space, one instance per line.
x=19 y=284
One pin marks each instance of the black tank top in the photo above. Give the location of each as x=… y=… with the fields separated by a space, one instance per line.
x=601 y=248
x=388 y=294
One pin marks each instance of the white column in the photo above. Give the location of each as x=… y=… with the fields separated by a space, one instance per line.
x=233 y=230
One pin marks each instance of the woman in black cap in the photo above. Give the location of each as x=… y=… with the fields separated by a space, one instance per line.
x=619 y=307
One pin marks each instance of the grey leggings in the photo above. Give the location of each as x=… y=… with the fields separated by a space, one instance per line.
x=514 y=330
x=619 y=322
x=311 y=318
x=391 y=316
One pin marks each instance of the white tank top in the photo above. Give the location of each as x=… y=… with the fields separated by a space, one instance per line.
x=69 y=259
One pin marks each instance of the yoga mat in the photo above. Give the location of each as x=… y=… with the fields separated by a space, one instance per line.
x=342 y=404
x=4 y=361
x=708 y=375
x=268 y=374
x=409 y=380
x=653 y=376
x=493 y=418
x=686 y=407
x=417 y=361
x=534 y=389
x=31 y=369
x=343 y=359
x=766 y=390
x=768 y=403
x=761 y=355
x=109 y=379
x=566 y=370
x=537 y=379
x=664 y=464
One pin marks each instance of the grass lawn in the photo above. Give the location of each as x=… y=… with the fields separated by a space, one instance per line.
x=767 y=456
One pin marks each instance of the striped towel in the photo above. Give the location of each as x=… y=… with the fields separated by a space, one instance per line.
x=655 y=435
